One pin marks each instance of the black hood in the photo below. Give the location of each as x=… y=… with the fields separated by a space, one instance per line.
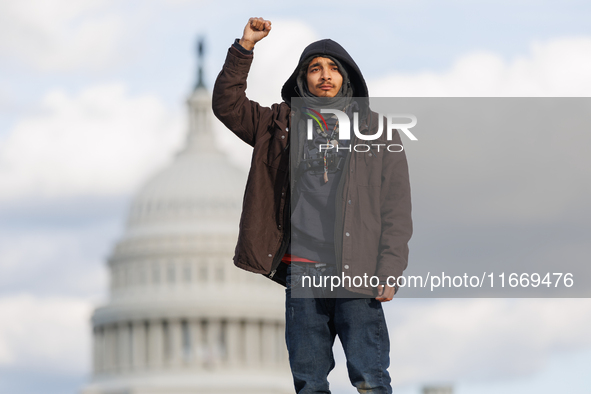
x=330 y=48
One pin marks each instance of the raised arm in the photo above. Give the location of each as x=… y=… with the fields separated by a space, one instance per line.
x=229 y=102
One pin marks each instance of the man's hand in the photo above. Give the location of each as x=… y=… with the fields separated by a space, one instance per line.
x=255 y=30
x=385 y=293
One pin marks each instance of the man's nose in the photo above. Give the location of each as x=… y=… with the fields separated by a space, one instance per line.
x=325 y=74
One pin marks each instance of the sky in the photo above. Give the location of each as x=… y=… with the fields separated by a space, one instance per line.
x=92 y=101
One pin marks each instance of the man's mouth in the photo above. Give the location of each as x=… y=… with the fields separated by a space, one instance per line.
x=325 y=87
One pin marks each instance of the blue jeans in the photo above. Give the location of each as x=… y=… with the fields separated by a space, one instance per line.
x=313 y=323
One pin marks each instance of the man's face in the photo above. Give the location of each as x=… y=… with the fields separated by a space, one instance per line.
x=324 y=78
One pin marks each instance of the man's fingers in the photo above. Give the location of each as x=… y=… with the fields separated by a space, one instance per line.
x=255 y=23
x=255 y=30
x=385 y=293
x=384 y=298
x=260 y=24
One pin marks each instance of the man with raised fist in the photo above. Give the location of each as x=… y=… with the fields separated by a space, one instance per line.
x=310 y=212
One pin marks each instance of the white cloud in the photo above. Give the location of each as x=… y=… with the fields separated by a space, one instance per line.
x=99 y=142
x=555 y=68
x=450 y=340
x=48 y=334
x=58 y=261
x=61 y=34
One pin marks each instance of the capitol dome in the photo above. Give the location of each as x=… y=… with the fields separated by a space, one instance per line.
x=181 y=318
x=198 y=190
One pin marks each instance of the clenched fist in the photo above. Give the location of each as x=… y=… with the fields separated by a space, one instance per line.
x=255 y=30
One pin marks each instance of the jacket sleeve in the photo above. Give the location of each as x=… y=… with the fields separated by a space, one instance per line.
x=229 y=102
x=395 y=214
